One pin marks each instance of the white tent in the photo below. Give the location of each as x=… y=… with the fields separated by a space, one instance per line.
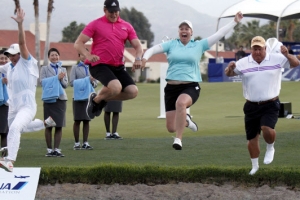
x=292 y=11
x=267 y=9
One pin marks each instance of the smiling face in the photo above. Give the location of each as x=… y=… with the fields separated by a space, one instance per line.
x=185 y=33
x=53 y=57
x=3 y=59
x=111 y=16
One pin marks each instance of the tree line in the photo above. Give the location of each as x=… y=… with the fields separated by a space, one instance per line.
x=243 y=33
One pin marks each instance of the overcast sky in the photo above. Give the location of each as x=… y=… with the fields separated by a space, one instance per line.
x=210 y=7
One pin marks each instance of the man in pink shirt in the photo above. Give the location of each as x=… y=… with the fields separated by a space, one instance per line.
x=109 y=34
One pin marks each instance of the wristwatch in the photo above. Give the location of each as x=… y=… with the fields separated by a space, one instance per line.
x=138 y=59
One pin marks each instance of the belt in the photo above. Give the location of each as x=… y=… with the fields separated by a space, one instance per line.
x=263 y=102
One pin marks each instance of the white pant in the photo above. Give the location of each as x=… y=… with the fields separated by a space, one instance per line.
x=20 y=121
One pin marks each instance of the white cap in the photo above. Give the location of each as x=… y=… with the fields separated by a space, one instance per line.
x=13 y=49
x=187 y=22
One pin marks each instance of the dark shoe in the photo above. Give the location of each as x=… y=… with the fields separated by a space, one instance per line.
x=101 y=105
x=77 y=147
x=49 y=153
x=109 y=137
x=4 y=151
x=57 y=153
x=86 y=146
x=91 y=106
x=116 y=136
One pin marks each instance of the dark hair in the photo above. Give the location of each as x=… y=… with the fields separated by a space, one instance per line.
x=53 y=49
x=2 y=50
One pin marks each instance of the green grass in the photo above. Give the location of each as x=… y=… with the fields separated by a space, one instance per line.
x=219 y=142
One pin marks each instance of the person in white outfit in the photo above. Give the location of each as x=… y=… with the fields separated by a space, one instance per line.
x=22 y=75
x=261 y=75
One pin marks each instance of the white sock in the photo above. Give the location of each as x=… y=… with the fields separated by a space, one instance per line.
x=49 y=150
x=254 y=162
x=270 y=146
x=255 y=166
x=77 y=143
x=107 y=133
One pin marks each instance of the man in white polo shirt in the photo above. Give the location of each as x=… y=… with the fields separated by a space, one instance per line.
x=261 y=76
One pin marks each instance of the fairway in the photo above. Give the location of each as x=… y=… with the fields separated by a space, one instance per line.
x=220 y=140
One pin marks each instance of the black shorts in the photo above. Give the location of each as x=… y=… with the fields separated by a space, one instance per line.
x=260 y=115
x=172 y=92
x=106 y=73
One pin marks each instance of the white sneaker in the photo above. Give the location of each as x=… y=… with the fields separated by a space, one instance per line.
x=253 y=170
x=192 y=125
x=50 y=122
x=269 y=156
x=6 y=164
x=177 y=145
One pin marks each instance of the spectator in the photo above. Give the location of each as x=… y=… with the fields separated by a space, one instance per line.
x=81 y=80
x=3 y=58
x=114 y=107
x=240 y=54
x=56 y=107
x=3 y=106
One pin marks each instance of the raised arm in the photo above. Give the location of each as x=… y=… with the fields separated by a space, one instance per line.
x=22 y=43
x=294 y=62
x=224 y=30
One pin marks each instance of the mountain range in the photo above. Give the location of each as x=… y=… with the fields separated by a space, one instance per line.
x=163 y=15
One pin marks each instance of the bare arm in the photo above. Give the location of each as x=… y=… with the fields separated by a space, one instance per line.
x=224 y=30
x=229 y=70
x=22 y=44
x=136 y=44
x=294 y=62
x=80 y=47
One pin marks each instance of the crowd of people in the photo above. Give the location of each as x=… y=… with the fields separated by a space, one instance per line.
x=104 y=64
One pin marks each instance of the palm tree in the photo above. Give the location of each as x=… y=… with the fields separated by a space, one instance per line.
x=290 y=26
x=49 y=12
x=269 y=30
x=37 y=32
x=250 y=30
